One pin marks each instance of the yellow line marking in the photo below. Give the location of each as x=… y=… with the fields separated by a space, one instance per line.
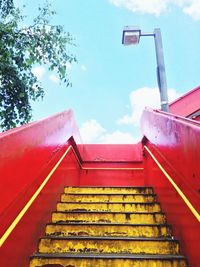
x=187 y=202
x=29 y=203
x=112 y=169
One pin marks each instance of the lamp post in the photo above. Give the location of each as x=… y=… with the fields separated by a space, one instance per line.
x=131 y=36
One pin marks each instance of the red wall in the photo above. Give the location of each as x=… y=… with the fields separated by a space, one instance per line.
x=27 y=155
x=175 y=142
x=112 y=177
x=121 y=153
x=112 y=156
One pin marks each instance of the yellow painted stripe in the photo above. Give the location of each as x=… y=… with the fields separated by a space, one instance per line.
x=185 y=199
x=29 y=203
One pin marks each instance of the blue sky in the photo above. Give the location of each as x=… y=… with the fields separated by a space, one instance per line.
x=113 y=83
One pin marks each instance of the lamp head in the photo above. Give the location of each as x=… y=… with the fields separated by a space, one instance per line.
x=131 y=35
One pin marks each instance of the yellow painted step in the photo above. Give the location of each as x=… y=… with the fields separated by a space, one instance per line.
x=115 y=207
x=107 y=198
x=63 y=229
x=109 y=190
x=83 y=260
x=108 y=245
x=109 y=217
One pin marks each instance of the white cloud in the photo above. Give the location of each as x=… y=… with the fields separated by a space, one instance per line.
x=54 y=78
x=119 y=137
x=39 y=72
x=158 y=7
x=141 y=98
x=83 y=68
x=193 y=10
x=93 y=133
x=154 y=7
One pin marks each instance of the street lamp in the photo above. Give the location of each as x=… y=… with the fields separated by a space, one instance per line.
x=131 y=36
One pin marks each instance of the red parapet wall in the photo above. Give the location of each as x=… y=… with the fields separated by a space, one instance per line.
x=175 y=142
x=27 y=156
x=26 y=151
x=23 y=241
x=187 y=104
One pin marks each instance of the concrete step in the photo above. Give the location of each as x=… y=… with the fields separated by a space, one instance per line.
x=108 y=227
x=107 y=260
x=109 y=190
x=109 y=217
x=103 y=229
x=109 y=206
x=54 y=244
x=108 y=198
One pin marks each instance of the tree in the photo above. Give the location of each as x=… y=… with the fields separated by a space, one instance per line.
x=21 y=47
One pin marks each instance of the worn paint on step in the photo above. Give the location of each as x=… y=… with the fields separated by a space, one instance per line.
x=109 y=217
x=108 y=230
x=40 y=262
x=109 y=190
x=107 y=198
x=115 y=207
x=108 y=245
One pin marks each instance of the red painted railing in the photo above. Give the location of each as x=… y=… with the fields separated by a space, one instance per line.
x=173 y=142
x=28 y=155
x=187 y=104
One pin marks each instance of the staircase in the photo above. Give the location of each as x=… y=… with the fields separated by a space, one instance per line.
x=108 y=226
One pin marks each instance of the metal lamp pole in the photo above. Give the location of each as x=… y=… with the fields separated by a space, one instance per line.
x=161 y=74
x=131 y=35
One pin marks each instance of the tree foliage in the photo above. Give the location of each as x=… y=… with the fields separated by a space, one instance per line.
x=21 y=47
x=6 y=7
